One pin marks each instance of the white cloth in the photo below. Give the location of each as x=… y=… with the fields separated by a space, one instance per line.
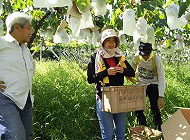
x=17 y=70
x=107 y=53
x=52 y=3
x=102 y=53
x=146 y=74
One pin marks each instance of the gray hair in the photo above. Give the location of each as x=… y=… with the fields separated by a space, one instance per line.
x=16 y=18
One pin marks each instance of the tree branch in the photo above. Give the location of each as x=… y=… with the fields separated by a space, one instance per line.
x=37 y=27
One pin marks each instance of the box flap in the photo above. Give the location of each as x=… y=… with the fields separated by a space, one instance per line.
x=176 y=127
x=186 y=114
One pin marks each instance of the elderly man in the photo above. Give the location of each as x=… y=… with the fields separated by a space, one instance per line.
x=16 y=72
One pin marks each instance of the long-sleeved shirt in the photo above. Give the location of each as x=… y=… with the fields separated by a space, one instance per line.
x=146 y=73
x=16 y=70
x=114 y=80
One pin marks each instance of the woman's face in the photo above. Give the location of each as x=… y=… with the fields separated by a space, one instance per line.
x=110 y=43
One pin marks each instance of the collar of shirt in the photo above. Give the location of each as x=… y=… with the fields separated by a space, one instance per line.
x=150 y=57
x=10 y=38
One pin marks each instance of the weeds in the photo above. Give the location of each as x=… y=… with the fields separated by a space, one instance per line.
x=64 y=107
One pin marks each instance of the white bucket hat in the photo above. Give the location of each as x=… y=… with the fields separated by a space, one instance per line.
x=109 y=33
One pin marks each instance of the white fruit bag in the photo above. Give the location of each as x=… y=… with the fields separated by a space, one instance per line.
x=62 y=25
x=73 y=11
x=96 y=36
x=150 y=34
x=61 y=37
x=141 y=31
x=122 y=38
x=49 y=33
x=173 y=21
x=1 y=7
x=99 y=7
x=51 y=3
x=129 y=22
x=86 y=21
x=82 y=35
x=74 y=24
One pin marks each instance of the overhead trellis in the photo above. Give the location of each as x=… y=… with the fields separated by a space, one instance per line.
x=93 y=15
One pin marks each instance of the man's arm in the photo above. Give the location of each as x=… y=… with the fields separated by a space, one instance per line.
x=161 y=81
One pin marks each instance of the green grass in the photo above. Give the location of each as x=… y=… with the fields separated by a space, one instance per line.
x=64 y=107
x=64 y=103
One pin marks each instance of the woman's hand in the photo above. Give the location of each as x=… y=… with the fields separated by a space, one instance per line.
x=119 y=69
x=111 y=71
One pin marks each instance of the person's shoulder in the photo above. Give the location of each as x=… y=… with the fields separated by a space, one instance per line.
x=156 y=56
x=2 y=40
x=157 y=59
x=93 y=56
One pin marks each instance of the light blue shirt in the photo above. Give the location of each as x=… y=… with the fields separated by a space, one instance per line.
x=16 y=70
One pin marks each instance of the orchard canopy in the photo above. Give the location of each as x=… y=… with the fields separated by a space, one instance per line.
x=162 y=22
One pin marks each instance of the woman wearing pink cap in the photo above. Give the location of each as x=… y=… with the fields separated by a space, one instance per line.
x=108 y=67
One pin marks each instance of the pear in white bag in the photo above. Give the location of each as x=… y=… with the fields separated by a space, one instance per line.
x=86 y=20
x=96 y=37
x=122 y=38
x=141 y=31
x=173 y=21
x=61 y=37
x=99 y=7
x=1 y=7
x=74 y=24
x=129 y=22
x=151 y=35
x=51 y=3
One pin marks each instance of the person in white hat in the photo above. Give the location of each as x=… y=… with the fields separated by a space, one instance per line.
x=108 y=67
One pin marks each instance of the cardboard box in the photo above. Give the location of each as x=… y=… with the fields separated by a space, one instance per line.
x=116 y=99
x=177 y=127
x=145 y=133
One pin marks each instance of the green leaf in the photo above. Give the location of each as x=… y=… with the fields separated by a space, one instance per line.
x=162 y=16
x=183 y=8
x=171 y=1
x=168 y=43
x=82 y=4
x=113 y=20
x=118 y=11
x=30 y=2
